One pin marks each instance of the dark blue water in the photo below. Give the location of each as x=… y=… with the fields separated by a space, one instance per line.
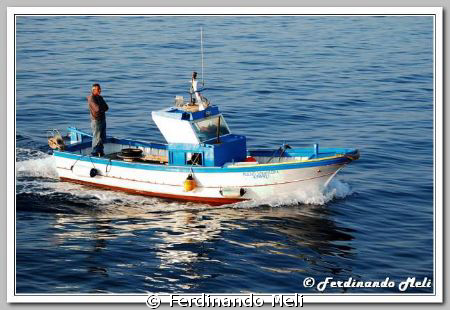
x=363 y=82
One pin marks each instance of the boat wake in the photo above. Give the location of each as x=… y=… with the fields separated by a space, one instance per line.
x=39 y=189
x=337 y=189
x=34 y=163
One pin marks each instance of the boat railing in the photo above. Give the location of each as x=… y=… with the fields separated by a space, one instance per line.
x=188 y=105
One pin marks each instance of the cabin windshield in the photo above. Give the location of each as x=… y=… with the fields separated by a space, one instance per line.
x=206 y=129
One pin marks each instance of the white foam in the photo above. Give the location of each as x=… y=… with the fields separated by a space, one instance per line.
x=39 y=167
x=336 y=189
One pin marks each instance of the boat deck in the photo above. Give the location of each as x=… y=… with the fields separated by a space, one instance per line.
x=147 y=158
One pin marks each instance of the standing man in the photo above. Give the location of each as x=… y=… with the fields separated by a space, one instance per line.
x=97 y=107
x=194 y=86
x=198 y=96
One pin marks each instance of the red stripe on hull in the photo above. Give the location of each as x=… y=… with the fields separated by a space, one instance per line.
x=208 y=200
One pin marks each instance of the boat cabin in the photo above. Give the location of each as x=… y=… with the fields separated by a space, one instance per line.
x=200 y=138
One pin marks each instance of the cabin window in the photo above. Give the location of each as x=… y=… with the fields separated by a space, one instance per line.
x=195 y=159
x=206 y=129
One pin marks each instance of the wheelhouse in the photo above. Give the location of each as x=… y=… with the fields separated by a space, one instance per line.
x=199 y=138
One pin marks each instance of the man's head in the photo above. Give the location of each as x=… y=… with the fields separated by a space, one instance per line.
x=96 y=89
x=194 y=75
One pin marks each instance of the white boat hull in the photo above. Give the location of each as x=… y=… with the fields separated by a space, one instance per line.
x=211 y=186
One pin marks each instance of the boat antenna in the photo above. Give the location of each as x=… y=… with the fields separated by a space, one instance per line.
x=201 y=47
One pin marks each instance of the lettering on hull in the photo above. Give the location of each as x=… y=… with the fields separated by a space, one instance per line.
x=260 y=174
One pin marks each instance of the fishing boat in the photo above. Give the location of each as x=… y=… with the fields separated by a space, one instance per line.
x=202 y=161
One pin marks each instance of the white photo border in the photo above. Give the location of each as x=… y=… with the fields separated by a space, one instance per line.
x=436 y=12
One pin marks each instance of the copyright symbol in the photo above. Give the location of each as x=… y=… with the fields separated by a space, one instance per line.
x=309 y=282
x=153 y=301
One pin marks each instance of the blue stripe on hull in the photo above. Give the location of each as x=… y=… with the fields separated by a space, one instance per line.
x=130 y=165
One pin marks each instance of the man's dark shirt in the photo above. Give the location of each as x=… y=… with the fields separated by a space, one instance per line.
x=98 y=107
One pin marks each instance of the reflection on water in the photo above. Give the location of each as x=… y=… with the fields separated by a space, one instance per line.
x=170 y=251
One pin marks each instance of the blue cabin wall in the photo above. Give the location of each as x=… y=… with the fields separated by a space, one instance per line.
x=178 y=151
x=231 y=148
